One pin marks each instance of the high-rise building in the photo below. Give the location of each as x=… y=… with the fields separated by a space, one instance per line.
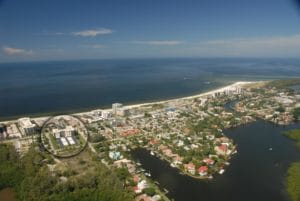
x=116 y=107
x=26 y=126
x=65 y=132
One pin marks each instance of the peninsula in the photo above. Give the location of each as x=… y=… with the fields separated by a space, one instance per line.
x=187 y=132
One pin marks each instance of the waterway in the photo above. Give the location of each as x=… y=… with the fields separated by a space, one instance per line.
x=256 y=172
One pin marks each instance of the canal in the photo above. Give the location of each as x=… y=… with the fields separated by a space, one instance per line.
x=256 y=172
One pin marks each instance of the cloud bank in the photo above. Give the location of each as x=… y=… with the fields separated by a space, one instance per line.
x=284 y=41
x=94 y=46
x=159 y=42
x=282 y=46
x=16 y=51
x=92 y=32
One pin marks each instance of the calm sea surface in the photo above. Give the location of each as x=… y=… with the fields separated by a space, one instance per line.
x=255 y=173
x=68 y=86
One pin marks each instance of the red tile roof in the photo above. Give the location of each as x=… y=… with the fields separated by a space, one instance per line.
x=189 y=166
x=130 y=132
x=223 y=147
x=203 y=169
x=208 y=161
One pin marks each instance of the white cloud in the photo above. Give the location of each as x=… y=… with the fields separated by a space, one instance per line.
x=93 y=32
x=16 y=51
x=95 y=46
x=258 y=47
x=266 y=41
x=46 y=33
x=159 y=42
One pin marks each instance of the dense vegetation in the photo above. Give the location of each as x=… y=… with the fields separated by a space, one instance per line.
x=296 y=113
x=284 y=83
x=32 y=180
x=294 y=135
x=293 y=181
x=293 y=174
x=10 y=168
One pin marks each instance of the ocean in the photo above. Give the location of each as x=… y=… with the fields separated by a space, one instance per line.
x=40 y=88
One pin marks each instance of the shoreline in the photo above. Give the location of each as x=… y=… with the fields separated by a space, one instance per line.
x=108 y=106
x=235 y=84
x=203 y=94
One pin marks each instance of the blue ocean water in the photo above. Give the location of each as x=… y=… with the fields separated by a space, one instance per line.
x=31 y=88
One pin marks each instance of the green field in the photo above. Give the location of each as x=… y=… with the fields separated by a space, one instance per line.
x=293 y=173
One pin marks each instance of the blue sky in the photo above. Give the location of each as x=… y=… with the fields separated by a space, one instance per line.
x=73 y=29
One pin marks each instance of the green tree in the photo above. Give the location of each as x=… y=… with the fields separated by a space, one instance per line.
x=10 y=170
x=123 y=175
x=296 y=113
x=149 y=191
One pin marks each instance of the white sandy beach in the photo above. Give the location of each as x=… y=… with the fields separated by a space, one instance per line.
x=222 y=89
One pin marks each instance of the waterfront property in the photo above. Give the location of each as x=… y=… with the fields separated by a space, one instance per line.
x=255 y=173
x=188 y=134
x=64 y=135
x=26 y=126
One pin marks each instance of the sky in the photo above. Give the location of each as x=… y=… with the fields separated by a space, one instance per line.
x=33 y=30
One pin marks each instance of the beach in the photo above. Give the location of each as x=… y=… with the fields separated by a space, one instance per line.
x=222 y=89
x=200 y=95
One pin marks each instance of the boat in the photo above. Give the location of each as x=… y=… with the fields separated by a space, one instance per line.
x=221 y=171
x=270 y=149
x=148 y=174
x=173 y=165
x=152 y=153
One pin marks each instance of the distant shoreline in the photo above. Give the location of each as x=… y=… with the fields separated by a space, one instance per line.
x=86 y=110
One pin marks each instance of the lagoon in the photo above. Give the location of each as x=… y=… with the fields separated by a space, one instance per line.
x=256 y=172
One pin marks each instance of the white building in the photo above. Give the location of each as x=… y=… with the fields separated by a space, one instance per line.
x=284 y=100
x=64 y=141
x=239 y=90
x=71 y=141
x=116 y=107
x=122 y=112
x=65 y=132
x=26 y=125
x=106 y=114
x=96 y=112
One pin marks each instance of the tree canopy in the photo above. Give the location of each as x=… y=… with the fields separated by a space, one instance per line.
x=32 y=180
